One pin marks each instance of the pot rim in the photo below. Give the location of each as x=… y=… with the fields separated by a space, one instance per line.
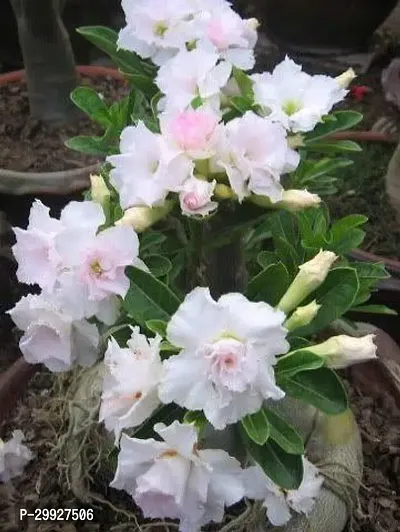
x=62 y=182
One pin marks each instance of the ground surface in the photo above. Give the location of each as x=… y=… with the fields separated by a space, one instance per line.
x=27 y=145
x=379 y=510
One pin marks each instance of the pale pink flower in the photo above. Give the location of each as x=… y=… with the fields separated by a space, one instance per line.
x=99 y=261
x=193 y=132
x=52 y=337
x=175 y=479
x=14 y=456
x=225 y=367
x=130 y=394
x=38 y=260
x=195 y=197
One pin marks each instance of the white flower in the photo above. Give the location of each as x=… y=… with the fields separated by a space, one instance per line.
x=254 y=154
x=223 y=31
x=98 y=262
x=346 y=78
x=190 y=75
x=195 y=197
x=174 y=479
x=38 y=260
x=14 y=456
x=295 y=99
x=141 y=174
x=228 y=351
x=279 y=502
x=343 y=351
x=311 y=275
x=130 y=393
x=156 y=29
x=194 y=132
x=52 y=337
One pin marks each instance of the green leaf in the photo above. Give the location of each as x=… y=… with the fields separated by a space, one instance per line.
x=257 y=427
x=106 y=39
x=293 y=363
x=321 y=388
x=336 y=296
x=148 y=298
x=269 y=285
x=158 y=265
x=296 y=342
x=267 y=258
x=375 y=309
x=335 y=146
x=90 y=145
x=369 y=274
x=157 y=327
x=345 y=235
x=151 y=239
x=90 y=102
x=283 y=468
x=197 y=417
x=167 y=347
x=343 y=120
x=244 y=82
x=282 y=433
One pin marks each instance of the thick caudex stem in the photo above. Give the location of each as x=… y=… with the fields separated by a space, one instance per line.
x=48 y=59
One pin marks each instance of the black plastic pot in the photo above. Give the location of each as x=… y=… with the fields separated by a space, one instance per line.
x=341 y=25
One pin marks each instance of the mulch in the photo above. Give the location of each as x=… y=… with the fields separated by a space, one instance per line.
x=379 y=510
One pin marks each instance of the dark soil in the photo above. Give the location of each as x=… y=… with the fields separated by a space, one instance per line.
x=39 y=487
x=28 y=145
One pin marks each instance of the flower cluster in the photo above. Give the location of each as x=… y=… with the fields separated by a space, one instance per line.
x=200 y=46
x=215 y=134
x=81 y=271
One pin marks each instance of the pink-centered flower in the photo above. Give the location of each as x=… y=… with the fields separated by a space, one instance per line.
x=195 y=197
x=35 y=251
x=193 y=132
x=99 y=261
x=228 y=349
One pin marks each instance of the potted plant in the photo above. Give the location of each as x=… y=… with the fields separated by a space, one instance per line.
x=208 y=346
x=51 y=76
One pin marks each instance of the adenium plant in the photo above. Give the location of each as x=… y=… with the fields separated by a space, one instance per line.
x=219 y=159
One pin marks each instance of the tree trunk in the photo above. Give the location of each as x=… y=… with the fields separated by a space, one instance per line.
x=48 y=59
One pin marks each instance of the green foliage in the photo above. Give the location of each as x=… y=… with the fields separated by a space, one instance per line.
x=128 y=62
x=270 y=284
x=321 y=388
x=283 y=468
x=283 y=434
x=293 y=363
x=148 y=298
x=257 y=427
x=338 y=121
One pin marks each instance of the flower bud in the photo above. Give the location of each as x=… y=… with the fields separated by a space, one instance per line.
x=302 y=316
x=252 y=24
x=99 y=190
x=342 y=351
x=346 y=78
x=297 y=200
x=141 y=218
x=311 y=275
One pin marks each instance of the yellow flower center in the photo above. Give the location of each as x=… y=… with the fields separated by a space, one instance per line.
x=291 y=107
x=160 y=28
x=96 y=268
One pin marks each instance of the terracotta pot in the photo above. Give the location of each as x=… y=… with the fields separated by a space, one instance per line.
x=344 y=25
x=57 y=183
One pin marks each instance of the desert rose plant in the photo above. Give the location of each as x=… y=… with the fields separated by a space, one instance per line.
x=202 y=355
